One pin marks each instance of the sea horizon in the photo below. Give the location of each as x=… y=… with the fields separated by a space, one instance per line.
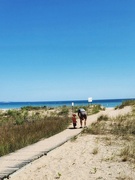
x=102 y=102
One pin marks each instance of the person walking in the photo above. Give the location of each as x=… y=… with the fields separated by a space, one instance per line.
x=82 y=116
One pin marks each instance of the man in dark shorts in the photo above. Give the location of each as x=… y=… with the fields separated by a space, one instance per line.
x=83 y=116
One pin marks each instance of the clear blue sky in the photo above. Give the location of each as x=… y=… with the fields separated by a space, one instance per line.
x=67 y=49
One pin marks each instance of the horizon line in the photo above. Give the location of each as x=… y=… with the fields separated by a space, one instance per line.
x=68 y=100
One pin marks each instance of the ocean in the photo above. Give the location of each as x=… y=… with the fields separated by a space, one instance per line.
x=104 y=102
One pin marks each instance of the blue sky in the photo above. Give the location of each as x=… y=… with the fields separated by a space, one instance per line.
x=67 y=49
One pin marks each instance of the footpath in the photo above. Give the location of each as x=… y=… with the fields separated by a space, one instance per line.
x=13 y=162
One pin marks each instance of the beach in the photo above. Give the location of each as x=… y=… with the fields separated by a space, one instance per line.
x=83 y=157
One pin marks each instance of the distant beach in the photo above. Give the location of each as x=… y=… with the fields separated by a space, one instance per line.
x=104 y=102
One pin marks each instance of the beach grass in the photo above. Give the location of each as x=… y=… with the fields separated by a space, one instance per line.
x=28 y=125
x=122 y=128
x=126 y=103
x=19 y=128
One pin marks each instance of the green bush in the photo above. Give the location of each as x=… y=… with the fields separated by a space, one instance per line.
x=30 y=108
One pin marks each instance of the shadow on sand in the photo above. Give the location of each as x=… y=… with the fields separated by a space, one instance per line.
x=72 y=128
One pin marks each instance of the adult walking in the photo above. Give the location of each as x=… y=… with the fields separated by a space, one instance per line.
x=83 y=116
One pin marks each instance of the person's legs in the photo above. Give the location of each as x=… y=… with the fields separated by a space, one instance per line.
x=80 y=123
x=85 y=118
x=74 y=124
x=84 y=122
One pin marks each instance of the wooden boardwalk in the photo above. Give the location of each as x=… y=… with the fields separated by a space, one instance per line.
x=12 y=162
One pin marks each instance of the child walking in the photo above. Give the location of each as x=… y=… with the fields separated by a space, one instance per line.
x=74 y=120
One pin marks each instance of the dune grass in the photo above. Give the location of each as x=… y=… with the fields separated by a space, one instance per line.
x=126 y=103
x=121 y=127
x=19 y=128
x=14 y=137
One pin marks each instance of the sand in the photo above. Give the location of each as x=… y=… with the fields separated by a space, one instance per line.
x=82 y=158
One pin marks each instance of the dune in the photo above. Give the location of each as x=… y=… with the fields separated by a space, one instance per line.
x=81 y=158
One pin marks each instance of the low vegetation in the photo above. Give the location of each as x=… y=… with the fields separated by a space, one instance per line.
x=126 y=103
x=19 y=128
x=121 y=127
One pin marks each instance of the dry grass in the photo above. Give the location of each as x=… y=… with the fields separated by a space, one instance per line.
x=19 y=128
x=122 y=128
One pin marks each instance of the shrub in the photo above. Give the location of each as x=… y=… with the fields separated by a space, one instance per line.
x=30 y=108
x=95 y=128
x=103 y=118
x=128 y=152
